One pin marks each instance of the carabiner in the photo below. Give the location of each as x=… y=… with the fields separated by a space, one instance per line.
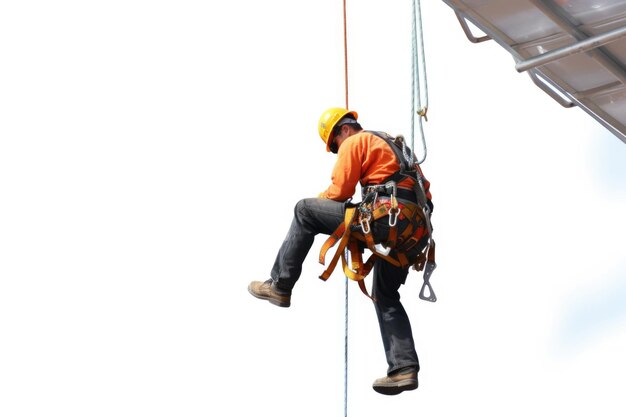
x=393 y=217
x=365 y=225
x=393 y=210
x=391 y=185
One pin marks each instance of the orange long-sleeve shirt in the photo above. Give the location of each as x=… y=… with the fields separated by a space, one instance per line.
x=366 y=159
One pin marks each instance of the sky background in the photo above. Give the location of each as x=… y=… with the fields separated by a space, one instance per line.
x=151 y=154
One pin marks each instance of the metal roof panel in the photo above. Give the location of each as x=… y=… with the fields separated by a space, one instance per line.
x=575 y=50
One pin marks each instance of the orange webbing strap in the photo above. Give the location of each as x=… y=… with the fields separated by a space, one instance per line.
x=394 y=213
x=368 y=237
x=357 y=270
x=360 y=270
x=364 y=290
x=344 y=231
x=380 y=211
x=369 y=240
x=409 y=211
x=392 y=238
x=353 y=271
x=331 y=241
x=355 y=256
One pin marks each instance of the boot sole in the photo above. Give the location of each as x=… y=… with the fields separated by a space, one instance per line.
x=396 y=387
x=270 y=299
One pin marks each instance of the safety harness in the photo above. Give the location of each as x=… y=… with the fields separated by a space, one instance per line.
x=413 y=246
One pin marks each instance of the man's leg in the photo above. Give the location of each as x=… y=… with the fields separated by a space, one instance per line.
x=311 y=217
x=395 y=329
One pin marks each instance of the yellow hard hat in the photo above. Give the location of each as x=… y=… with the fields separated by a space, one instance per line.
x=329 y=120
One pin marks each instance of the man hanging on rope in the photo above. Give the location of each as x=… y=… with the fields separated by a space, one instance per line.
x=399 y=237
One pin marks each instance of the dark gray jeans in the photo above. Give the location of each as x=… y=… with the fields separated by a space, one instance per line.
x=313 y=216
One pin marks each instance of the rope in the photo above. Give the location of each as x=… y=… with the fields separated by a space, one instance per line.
x=345 y=353
x=416 y=98
x=345 y=50
x=345 y=343
x=416 y=82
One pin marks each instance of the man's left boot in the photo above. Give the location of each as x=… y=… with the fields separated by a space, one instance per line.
x=404 y=379
x=268 y=291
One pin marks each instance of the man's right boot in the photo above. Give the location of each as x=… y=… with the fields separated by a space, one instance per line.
x=267 y=291
x=399 y=381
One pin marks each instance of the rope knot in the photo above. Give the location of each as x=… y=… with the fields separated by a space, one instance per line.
x=422 y=112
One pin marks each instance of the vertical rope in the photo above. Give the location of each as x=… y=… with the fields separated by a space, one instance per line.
x=416 y=93
x=345 y=353
x=345 y=51
x=345 y=342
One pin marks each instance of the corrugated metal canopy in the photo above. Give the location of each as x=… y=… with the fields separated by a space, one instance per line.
x=574 y=50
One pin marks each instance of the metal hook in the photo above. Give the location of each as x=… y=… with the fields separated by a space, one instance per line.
x=428 y=270
x=393 y=217
x=365 y=225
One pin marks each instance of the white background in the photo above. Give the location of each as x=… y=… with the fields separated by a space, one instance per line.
x=150 y=157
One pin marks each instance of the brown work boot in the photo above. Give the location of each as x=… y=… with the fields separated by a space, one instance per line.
x=267 y=291
x=403 y=380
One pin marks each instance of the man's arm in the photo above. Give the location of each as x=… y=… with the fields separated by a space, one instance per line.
x=346 y=173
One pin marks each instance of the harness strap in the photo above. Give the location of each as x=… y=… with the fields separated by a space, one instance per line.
x=359 y=269
x=331 y=241
x=348 y=220
x=348 y=240
x=373 y=208
x=405 y=171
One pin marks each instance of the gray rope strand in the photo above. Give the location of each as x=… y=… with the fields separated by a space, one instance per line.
x=423 y=53
x=345 y=355
x=413 y=87
x=416 y=81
